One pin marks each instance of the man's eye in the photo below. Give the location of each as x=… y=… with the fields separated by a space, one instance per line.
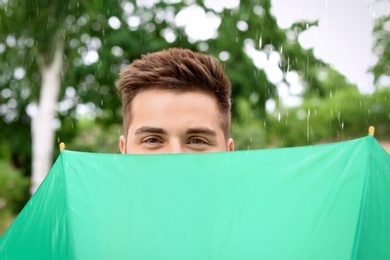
x=152 y=140
x=197 y=141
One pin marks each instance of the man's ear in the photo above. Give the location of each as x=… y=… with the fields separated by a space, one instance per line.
x=230 y=145
x=122 y=144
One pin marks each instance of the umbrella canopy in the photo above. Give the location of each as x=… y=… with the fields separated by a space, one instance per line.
x=316 y=202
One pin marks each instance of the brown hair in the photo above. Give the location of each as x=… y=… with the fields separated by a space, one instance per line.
x=179 y=70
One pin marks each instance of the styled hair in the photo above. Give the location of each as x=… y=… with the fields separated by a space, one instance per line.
x=179 y=70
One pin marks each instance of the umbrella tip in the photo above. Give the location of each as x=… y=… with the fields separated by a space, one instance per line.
x=62 y=146
x=371 y=130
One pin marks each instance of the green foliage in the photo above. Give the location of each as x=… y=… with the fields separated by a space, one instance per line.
x=265 y=35
x=345 y=114
x=31 y=30
x=13 y=186
x=246 y=130
x=95 y=138
x=381 y=47
x=13 y=193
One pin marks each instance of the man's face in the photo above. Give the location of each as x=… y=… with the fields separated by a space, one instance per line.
x=170 y=122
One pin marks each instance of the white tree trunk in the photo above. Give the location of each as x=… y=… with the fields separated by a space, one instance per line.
x=42 y=130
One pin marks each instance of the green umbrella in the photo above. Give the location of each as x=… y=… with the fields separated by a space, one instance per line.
x=316 y=202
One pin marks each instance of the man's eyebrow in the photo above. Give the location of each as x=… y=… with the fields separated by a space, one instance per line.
x=205 y=131
x=150 y=130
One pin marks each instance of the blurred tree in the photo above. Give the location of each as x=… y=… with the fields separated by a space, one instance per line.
x=13 y=193
x=344 y=115
x=56 y=55
x=258 y=56
x=381 y=47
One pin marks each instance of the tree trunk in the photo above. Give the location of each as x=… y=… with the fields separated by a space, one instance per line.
x=42 y=130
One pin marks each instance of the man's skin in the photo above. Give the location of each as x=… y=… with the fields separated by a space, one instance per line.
x=170 y=122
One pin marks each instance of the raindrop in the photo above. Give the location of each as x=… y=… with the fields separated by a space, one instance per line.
x=308 y=125
x=224 y=55
x=203 y=46
x=82 y=20
x=169 y=35
x=242 y=26
x=378 y=50
x=258 y=10
x=288 y=65
x=25 y=92
x=270 y=105
x=6 y=93
x=29 y=42
x=89 y=79
x=96 y=26
x=70 y=92
x=133 y=22
x=3 y=109
x=254 y=97
x=56 y=123
x=117 y=51
x=85 y=37
x=70 y=19
x=94 y=43
x=249 y=43
x=114 y=22
x=127 y=7
x=21 y=42
x=74 y=43
x=77 y=62
x=90 y=57
x=150 y=27
x=11 y=41
x=104 y=91
x=12 y=103
x=19 y=73
x=8 y=12
x=291 y=36
x=159 y=17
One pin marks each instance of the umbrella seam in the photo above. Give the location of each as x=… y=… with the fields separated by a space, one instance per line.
x=362 y=201
x=67 y=204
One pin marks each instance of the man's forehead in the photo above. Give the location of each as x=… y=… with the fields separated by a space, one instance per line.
x=144 y=97
x=174 y=90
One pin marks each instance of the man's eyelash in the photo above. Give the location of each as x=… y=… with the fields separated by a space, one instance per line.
x=199 y=141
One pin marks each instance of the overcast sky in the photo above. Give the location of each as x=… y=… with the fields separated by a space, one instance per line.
x=343 y=37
